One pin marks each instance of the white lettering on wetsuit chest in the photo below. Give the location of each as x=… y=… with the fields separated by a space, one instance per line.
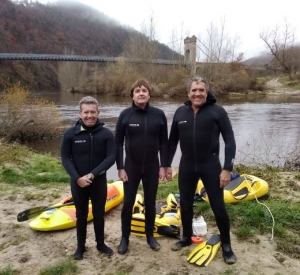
x=80 y=141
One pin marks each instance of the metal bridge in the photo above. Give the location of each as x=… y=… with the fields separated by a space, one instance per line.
x=83 y=58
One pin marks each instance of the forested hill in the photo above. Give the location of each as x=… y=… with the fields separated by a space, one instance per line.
x=56 y=28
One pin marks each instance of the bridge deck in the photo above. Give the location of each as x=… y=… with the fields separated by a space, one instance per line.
x=82 y=58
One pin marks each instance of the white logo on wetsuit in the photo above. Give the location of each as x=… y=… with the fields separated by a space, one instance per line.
x=80 y=141
x=134 y=125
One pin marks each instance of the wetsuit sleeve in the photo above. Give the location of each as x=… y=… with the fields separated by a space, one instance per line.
x=229 y=140
x=110 y=155
x=119 y=140
x=173 y=140
x=163 y=142
x=66 y=155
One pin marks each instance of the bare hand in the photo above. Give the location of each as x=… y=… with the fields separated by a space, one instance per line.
x=169 y=173
x=84 y=181
x=162 y=174
x=224 y=178
x=123 y=175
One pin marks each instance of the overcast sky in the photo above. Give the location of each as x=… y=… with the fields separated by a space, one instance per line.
x=245 y=19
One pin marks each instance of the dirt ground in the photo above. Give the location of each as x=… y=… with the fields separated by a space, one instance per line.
x=29 y=251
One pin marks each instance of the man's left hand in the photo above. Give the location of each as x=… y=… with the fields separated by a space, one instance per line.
x=162 y=174
x=224 y=178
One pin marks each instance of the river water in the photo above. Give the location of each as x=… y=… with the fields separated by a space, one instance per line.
x=266 y=128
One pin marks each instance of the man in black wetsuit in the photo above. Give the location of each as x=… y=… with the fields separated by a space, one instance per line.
x=88 y=150
x=144 y=130
x=197 y=125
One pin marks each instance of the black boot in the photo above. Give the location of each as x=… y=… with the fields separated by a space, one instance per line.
x=228 y=255
x=185 y=241
x=81 y=237
x=79 y=253
x=123 y=247
x=153 y=243
x=99 y=234
x=103 y=248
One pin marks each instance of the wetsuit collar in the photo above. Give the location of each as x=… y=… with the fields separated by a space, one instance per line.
x=80 y=126
x=140 y=109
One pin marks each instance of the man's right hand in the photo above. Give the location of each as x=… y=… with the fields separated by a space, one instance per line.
x=84 y=181
x=123 y=175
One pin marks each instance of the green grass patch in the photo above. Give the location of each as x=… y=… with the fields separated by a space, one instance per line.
x=229 y=271
x=64 y=267
x=288 y=83
x=27 y=168
x=13 y=153
x=294 y=83
x=166 y=188
x=264 y=79
x=8 y=271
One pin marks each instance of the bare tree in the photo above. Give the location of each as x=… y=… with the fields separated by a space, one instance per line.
x=176 y=43
x=218 y=49
x=144 y=46
x=281 y=45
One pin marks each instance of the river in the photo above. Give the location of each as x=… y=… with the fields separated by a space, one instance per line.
x=266 y=128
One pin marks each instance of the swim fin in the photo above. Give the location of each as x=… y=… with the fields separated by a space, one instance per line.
x=138 y=227
x=205 y=252
x=138 y=206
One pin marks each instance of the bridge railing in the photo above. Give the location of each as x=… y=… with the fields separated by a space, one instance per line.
x=84 y=58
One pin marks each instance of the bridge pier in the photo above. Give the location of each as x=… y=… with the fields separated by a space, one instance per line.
x=190 y=53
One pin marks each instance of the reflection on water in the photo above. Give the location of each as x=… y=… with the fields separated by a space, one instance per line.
x=266 y=127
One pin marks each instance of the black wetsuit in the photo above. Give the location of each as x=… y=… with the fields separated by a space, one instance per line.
x=88 y=150
x=199 y=134
x=145 y=133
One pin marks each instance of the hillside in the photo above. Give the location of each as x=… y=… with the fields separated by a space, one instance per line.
x=258 y=61
x=56 y=28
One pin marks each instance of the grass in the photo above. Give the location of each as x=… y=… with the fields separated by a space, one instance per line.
x=20 y=166
x=293 y=84
x=64 y=267
x=8 y=271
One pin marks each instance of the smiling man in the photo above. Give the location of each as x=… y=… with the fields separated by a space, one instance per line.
x=143 y=129
x=87 y=151
x=197 y=125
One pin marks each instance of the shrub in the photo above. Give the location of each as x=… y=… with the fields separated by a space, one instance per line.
x=25 y=118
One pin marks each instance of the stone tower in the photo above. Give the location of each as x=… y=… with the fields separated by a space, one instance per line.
x=190 y=52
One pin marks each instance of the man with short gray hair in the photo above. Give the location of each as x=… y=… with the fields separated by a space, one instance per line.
x=197 y=125
x=87 y=151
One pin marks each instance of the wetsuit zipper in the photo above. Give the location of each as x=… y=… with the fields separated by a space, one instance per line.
x=144 y=157
x=194 y=138
x=91 y=152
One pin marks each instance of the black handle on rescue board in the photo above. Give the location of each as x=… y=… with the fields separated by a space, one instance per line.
x=34 y=212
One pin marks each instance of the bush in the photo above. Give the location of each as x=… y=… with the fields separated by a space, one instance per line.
x=25 y=118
